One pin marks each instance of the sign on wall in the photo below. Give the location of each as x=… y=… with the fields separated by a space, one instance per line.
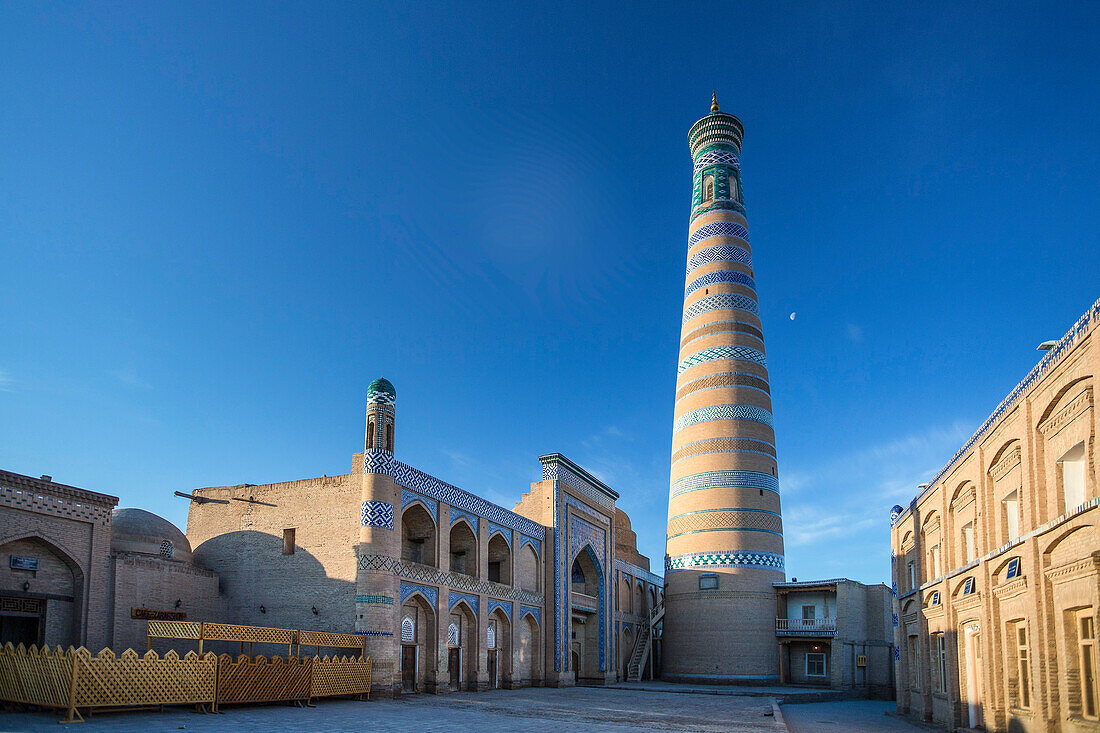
x=152 y=614
x=23 y=563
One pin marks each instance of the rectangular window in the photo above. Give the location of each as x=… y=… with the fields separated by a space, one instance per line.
x=935 y=561
x=1023 y=671
x=708 y=581
x=1086 y=646
x=809 y=613
x=288 y=541
x=1073 y=476
x=815 y=664
x=494 y=572
x=939 y=650
x=1012 y=515
x=968 y=587
x=1013 y=568
x=969 y=551
x=912 y=575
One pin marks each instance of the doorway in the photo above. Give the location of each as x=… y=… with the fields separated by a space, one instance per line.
x=492 y=668
x=454 y=664
x=973 y=641
x=408 y=667
x=21 y=620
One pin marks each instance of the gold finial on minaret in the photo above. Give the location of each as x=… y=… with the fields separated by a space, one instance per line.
x=714 y=101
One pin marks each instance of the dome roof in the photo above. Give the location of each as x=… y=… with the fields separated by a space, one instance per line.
x=380 y=391
x=136 y=530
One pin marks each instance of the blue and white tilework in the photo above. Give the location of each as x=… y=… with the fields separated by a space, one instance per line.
x=457 y=514
x=718 y=229
x=721 y=302
x=751 y=413
x=731 y=277
x=432 y=594
x=454 y=597
x=377 y=514
x=718 y=353
x=525 y=540
x=424 y=574
x=730 y=559
x=560 y=472
x=720 y=253
x=536 y=613
x=494 y=604
x=716 y=157
x=408 y=497
x=725 y=480
x=504 y=532
x=376 y=461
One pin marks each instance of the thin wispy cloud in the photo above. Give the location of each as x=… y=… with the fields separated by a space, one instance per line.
x=6 y=381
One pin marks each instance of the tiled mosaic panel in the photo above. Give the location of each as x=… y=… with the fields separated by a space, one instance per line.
x=725 y=519
x=751 y=413
x=457 y=514
x=408 y=497
x=716 y=157
x=732 y=277
x=504 y=532
x=718 y=205
x=375 y=600
x=724 y=445
x=582 y=533
x=525 y=540
x=725 y=480
x=721 y=302
x=425 y=574
x=717 y=353
x=722 y=175
x=536 y=613
x=585 y=533
x=376 y=461
x=718 y=229
x=719 y=253
x=377 y=397
x=555 y=470
x=494 y=604
x=731 y=559
x=454 y=597
x=636 y=572
x=432 y=594
x=377 y=514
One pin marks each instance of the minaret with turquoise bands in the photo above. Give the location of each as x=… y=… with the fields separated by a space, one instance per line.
x=724 y=545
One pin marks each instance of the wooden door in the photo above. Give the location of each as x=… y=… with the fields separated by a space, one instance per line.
x=454 y=663
x=492 y=662
x=408 y=668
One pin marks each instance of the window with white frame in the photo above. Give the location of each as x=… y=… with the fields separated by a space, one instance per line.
x=1072 y=468
x=969 y=549
x=939 y=653
x=1086 y=660
x=708 y=188
x=1018 y=631
x=911 y=571
x=491 y=635
x=408 y=631
x=935 y=553
x=1012 y=515
x=815 y=664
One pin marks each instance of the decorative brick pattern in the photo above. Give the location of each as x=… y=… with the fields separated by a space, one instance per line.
x=722 y=412
x=718 y=353
x=725 y=480
x=715 y=157
x=731 y=559
x=723 y=326
x=724 y=445
x=718 y=205
x=375 y=461
x=377 y=514
x=718 y=229
x=555 y=470
x=724 y=379
x=719 y=253
x=725 y=520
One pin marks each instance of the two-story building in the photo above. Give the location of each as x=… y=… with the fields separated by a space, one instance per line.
x=996 y=561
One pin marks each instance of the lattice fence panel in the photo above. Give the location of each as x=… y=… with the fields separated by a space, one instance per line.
x=109 y=681
x=341 y=676
x=258 y=634
x=263 y=680
x=330 y=639
x=175 y=629
x=36 y=677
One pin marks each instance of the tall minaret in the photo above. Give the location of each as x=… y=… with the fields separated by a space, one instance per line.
x=724 y=547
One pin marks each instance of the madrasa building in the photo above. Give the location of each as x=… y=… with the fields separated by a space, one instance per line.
x=454 y=592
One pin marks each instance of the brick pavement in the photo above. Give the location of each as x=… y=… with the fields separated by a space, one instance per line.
x=849 y=716
x=593 y=710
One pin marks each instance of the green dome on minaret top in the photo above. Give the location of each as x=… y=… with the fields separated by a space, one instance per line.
x=381 y=392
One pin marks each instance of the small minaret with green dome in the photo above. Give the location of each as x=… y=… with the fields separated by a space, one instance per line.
x=381 y=399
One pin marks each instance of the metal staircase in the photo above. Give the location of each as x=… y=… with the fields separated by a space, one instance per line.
x=643 y=645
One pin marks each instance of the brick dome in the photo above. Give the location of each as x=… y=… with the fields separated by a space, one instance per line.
x=142 y=532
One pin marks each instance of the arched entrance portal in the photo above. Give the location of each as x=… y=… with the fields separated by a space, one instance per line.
x=528 y=670
x=462 y=647
x=47 y=612
x=586 y=617
x=417 y=643
x=499 y=649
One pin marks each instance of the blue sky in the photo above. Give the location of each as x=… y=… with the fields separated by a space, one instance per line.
x=222 y=220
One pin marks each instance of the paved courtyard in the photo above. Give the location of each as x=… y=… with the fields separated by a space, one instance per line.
x=849 y=716
x=593 y=710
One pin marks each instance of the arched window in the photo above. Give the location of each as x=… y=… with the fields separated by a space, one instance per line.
x=370 y=434
x=708 y=188
x=491 y=636
x=452 y=635
x=389 y=437
x=735 y=187
x=408 y=631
